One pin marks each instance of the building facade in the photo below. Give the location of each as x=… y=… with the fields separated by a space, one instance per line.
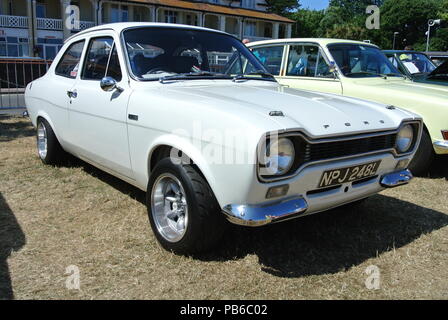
x=30 y=28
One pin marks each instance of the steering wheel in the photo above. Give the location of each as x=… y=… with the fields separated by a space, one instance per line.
x=158 y=70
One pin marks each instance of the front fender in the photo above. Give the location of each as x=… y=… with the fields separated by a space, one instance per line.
x=228 y=181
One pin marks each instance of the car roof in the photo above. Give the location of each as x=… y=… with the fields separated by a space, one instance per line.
x=403 y=51
x=120 y=26
x=321 y=41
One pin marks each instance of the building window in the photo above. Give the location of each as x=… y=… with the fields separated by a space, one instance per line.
x=41 y=10
x=170 y=16
x=250 y=4
x=119 y=13
x=49 y=47
x=250 y=29
x=191 y=19
x=14 y=47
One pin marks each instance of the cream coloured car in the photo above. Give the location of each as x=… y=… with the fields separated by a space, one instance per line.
x=360 y=70
x=168 y=109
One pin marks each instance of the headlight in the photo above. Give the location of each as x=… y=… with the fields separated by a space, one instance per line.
x=279 y=157
x=405 y=137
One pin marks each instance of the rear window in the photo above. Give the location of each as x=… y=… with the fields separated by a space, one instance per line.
x=68 y=66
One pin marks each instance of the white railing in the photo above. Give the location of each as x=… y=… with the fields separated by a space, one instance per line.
x=49 y=24
x=13 y=21
x=86 y=24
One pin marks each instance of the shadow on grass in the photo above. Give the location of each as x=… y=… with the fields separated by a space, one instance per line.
x=12 y=238
x=439 y=169
x=323 y=243
x=70 y=161
x=331 y=241
x=20 y=128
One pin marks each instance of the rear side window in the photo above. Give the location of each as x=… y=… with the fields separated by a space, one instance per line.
x=271 y=57
x=307 y=61
x=69 y=64
x=101 y=60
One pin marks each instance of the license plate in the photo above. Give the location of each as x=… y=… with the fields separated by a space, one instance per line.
x=349 y=174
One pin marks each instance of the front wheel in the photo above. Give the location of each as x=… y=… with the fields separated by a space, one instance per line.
x=423 y=157
x=183 y=212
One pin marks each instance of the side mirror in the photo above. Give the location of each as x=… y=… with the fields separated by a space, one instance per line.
x=109 y=84
x=332 y=67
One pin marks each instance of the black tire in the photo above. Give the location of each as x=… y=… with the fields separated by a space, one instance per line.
x=206 y=223
x=55 y=154
x=424 y=156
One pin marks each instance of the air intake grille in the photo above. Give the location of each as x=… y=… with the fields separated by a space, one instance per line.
x=336 y=149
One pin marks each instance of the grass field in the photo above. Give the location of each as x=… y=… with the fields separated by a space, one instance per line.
x=55 y=217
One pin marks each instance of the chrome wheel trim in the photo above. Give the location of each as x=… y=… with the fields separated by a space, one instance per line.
x=169 y=207
x=42 y=141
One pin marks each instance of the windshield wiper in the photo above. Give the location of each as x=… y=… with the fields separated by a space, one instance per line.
x=264 y=76
x=364 y=72
x=195 y=75
x=395 y=74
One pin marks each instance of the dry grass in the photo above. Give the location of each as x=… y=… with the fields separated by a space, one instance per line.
x=53 y=217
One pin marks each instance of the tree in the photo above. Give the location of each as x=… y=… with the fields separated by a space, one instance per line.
x=348 y=31
x=354 y=7
x=282 y=7
x=307 y=25
x=409 y=18
x=334 y=16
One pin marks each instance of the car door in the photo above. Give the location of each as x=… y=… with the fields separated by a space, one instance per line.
x=63 y=80
x=97 y=118
x=305 y=66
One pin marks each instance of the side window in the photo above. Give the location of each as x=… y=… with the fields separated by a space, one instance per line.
x=113 y=69
x=307 y=61
x=69 y=64
x=97 y=58
x=271 y=57
x=393 y=60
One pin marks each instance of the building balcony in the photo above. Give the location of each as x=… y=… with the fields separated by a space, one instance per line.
x=13 y=21
x=57 y=24
x=49 y=24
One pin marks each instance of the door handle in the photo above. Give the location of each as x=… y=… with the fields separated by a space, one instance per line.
x=72 y=94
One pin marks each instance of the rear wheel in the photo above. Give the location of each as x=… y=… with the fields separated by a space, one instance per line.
x=423 y=157
x=184 y=214
x=48 y=147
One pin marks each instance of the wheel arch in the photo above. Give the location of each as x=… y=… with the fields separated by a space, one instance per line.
x=162 y=149
x=46 y=117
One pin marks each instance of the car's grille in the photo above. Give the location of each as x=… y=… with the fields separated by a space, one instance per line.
x=336 y=149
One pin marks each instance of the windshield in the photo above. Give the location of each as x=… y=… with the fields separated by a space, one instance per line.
x=416 y=62
x=357 y=60
x=157 y=53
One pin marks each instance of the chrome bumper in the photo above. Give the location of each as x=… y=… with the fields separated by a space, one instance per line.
x=259 y=215
x=262 y=214
x=396 y=179
x=441 y=147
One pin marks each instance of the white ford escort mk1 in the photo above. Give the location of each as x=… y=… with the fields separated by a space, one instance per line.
x=190 y=116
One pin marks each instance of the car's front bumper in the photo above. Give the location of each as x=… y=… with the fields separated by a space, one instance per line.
x=441 y=146
x=262 y=214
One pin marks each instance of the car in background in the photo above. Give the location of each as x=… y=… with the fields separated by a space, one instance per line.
x=418 y=67
x=438 y=57
x=361 y=70
x=142 y=102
